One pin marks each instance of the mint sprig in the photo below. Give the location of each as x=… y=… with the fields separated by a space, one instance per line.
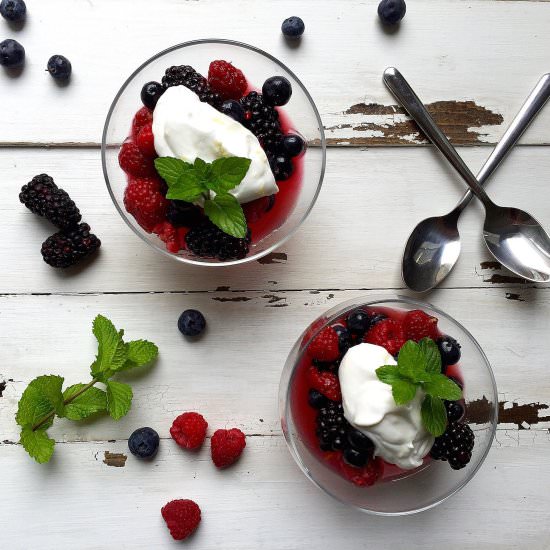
x=198 y=181
x=44 y=398
x=419 y=366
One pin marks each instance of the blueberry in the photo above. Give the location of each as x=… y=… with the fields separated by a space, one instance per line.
x=59 y=67
x=191 y=322
x=358 y=321
x=455 y=411
x=376 y=318
x=13 y=10
x=391 y=11
x=293 y=27
x=449 y=350
x=277 y=90
x=150 y=94
x=359 y=441
x=12 y=54
x=316 y=399
x=233 y=109
x=293 y=145
x=144 y=443
x=281 y=166
x=355 y=458
x=344 y=337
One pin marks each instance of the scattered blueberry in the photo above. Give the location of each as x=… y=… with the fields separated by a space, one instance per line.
x=59 y=67
x=358 y=321
x=449 y=350
x=191 y=322
x=316 y=399
x=150 y=94
x=455 y=411
x=293 y=145
x=281 y=166
x=293 y=27
x=355 y=458
x=13 y=10
x=144 y=443
x=233 y=109
x=277 y=90
x=12 y=54
x=391 y=11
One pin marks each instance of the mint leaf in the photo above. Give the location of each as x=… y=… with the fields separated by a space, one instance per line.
x=203 y=170
x=91 y=401
x=403 y=391
x=411 y=362
x=188 y=187
x=140 y=353
x=225 y=212
x=40 y=398
x=170 y=169
x=434 y=415
x=37 y=444
x=228 y=173
x=441 y=386
x=388 y=374
x=119 y=399
x=431 y=355
x=111 y=352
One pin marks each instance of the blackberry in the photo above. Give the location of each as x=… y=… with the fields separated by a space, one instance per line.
x=263 y=121
x=185 y=75
x=42 y=196
x=69 y=246
x=332 y=427
x=209 y=241
x=455 y=445
x=184 y=214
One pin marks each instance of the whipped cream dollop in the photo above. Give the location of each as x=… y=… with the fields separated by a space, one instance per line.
x=396 y=430
x=186 y=128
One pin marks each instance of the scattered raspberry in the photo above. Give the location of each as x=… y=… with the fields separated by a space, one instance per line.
x=132 y=161
x=365 y=476
x=420 y=325
x=227 y=446
x=226 y=80
x=387 y=333
x=146 y=141
x=142 y=118
x=326 y=383
x=144 y=200
x=189 y=430
x=182 y=517
x=325 y=346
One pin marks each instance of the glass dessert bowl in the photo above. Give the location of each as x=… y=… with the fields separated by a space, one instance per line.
x=254 y=109
x=387 y=447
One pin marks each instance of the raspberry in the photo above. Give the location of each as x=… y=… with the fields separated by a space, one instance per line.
x=387 y=333
x=146 y=141
x=325 y=346
x=418 y=325
x=144 y=200
x=182 y=517
x=326 y=383
x=142 y=118
x=227 y=80
x=132 y=161
x=227 y=446
x=173 y=237
x=455 y=445
x=69 y=246
x=189 y=430
x=364 y=476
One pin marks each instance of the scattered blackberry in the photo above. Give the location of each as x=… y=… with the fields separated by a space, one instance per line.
x=185 y=75
x=263 y=121
x=208 y=241
x=184 y=214
x=455 y=445
x=455 y=410
x=449 y=349
x=69 y=246
x=332 y=427
x=42 y=196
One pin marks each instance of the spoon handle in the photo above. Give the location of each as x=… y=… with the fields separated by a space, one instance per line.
x=530 y=109
x=401 y=89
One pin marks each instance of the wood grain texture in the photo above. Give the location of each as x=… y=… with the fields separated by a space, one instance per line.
x=487 y=52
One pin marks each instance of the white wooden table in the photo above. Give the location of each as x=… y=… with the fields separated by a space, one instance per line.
x=474 y=61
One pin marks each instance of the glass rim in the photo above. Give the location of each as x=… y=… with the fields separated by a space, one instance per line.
x=322 y=147
x=345 y=307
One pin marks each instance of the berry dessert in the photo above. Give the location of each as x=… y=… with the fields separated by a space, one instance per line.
x=378 y=394
x=213 y=165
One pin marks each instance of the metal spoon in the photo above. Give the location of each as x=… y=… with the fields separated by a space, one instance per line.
x=514 y=237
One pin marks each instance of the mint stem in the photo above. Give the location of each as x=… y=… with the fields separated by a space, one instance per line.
x=48 y=417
